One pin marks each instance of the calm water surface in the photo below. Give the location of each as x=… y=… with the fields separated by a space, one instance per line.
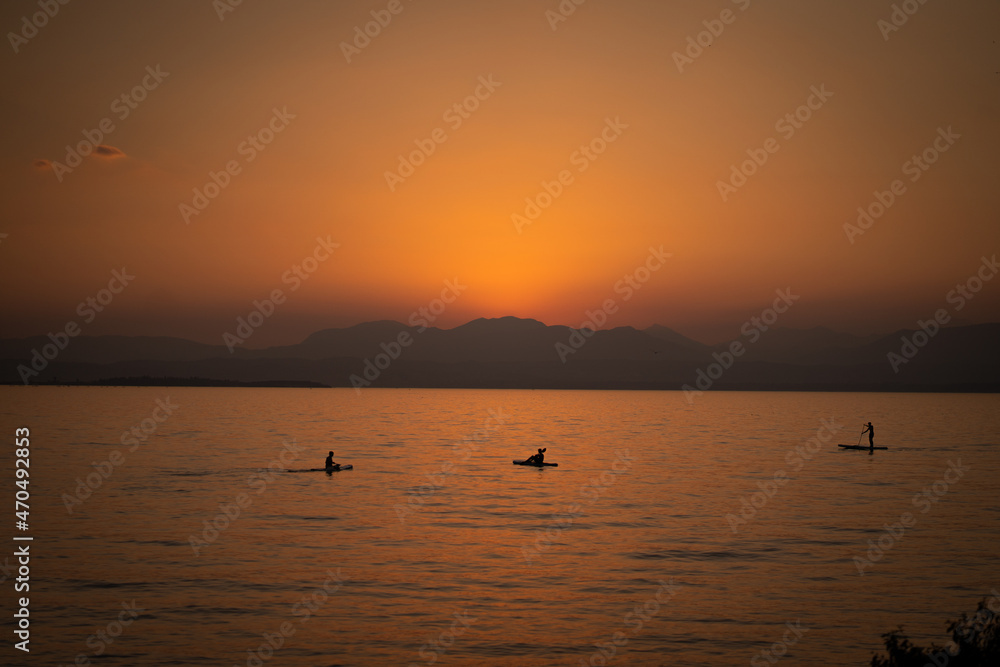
x=436 y=550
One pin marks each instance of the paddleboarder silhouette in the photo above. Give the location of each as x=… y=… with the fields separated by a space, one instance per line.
x=537 y=458
x=871 y=437
x=329 y=461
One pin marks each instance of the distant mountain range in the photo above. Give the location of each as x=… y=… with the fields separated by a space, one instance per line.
x=517 y=353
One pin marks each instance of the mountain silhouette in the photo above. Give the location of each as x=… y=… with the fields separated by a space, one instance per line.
x=510 y=352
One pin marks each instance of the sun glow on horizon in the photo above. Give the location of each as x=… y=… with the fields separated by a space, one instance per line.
x=538 y=175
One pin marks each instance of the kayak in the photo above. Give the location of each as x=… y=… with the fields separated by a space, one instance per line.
x=337 y=469
x=860 y=447
x=535 y=465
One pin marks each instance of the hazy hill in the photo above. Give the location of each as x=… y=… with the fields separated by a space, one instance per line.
x=663 y=333
x=512 y=352
x=109 y=349
x=807 y=346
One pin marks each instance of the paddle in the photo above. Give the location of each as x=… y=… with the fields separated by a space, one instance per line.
x=860 y=436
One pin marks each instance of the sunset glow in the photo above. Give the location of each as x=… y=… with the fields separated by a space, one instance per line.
x=591 y=129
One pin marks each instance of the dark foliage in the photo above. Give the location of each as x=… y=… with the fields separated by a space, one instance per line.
x=975 y=642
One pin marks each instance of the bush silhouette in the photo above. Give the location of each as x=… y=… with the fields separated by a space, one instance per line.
x=975 y=642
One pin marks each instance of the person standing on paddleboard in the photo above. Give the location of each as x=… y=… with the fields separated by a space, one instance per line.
x=870 y=430
x=329 y=461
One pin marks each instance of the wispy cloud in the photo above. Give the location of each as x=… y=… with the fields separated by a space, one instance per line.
x=101 y=151
x=105 y=151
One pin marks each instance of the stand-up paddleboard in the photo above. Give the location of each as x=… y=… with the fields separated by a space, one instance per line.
x=535 y=465
x=337 y=469
x=860 y=447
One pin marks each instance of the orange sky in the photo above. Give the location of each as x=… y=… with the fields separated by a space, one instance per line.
x=553 y=91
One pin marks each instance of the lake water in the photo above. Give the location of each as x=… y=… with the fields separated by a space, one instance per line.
x=436 y=550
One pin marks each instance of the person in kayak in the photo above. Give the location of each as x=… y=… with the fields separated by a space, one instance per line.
x=536 y=459
x=329 y=461
x=870 y=430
